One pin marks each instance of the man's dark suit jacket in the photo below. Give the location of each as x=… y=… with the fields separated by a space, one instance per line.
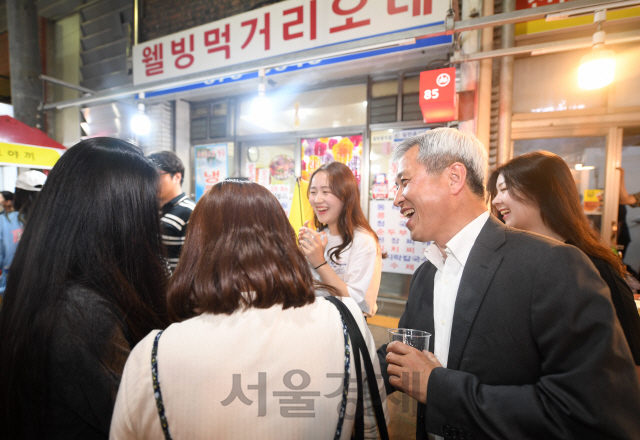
x=536 y=351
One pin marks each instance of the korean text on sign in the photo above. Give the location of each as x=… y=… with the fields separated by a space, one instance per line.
x=278 y=29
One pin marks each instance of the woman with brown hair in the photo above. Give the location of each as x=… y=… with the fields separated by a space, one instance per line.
x=343 y=251
x=536 y=192
x=252 y=353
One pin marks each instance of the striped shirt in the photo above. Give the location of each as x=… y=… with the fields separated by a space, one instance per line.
x=175 y=217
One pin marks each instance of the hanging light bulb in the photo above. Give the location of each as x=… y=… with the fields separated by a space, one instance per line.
x=597 y=68
x=261 y=108
x=140 y=123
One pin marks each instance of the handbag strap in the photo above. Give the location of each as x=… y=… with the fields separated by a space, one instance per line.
x=345 y=384
x=360 y=348
x=157 y=392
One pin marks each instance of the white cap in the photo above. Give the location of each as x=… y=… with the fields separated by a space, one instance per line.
x=31 y=180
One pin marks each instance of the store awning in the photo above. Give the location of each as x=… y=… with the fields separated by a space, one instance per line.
x=24 y=146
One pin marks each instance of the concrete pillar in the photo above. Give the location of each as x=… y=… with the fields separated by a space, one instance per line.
x=483 y=111
x=505 y=151
x=468 y=72
x=183 y=145
x=24 y=57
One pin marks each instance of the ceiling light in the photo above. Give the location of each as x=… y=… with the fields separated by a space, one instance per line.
x=261 y=108
x=597 y=68
x=140 y=123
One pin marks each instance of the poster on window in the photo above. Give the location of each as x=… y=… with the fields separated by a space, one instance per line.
x=403 y=254
x=211 y=167
x=592 y=201
x=383 y=171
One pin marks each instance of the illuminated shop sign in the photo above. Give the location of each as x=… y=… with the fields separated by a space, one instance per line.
x=422 y=43
x=283 y=28
x=438 y=95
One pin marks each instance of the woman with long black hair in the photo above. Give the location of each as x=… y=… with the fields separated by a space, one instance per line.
x=535 y=192
x=86 y=284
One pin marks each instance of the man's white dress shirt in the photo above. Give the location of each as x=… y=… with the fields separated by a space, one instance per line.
x=447 y=280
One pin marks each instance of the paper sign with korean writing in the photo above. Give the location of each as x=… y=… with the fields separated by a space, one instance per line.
x=28 y=155
x=390 y=141
x=438 y=95
x=283 y=194
x=286 y=27
x=403 y=254
x=211 y=167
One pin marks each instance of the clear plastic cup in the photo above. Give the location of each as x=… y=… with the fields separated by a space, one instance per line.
x=418 y=339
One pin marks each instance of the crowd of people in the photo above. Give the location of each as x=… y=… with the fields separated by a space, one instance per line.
x=130 y=312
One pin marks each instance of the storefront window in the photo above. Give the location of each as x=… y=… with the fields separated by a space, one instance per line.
x=410 y=99
x=272 y=167
x=384 y=101
x=625 y=88
x=284 y=111
x=210 y=120
x=549 y=83
x=586 y=159
x=384 y=88
x=403 y=254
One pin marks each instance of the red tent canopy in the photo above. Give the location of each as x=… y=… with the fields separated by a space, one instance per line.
x=24 y=146
x=13 y=131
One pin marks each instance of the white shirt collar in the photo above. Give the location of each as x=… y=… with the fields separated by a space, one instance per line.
x=460 y=245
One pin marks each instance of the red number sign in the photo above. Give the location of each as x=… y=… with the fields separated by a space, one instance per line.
x=438 y=95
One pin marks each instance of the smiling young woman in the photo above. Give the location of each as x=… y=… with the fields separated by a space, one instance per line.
x=343 y=250
x=536 y=192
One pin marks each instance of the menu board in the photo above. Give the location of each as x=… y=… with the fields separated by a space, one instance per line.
x=403 y=254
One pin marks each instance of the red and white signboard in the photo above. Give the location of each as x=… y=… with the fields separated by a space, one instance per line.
x=438 y=95
x=285 y=27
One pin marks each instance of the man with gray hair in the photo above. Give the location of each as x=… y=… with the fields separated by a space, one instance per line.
x=525 y=341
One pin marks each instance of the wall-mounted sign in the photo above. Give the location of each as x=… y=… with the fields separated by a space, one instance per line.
x=28 y=155
x=285 y=27
x=403 y=254
x=438 y=95
x=211 y=167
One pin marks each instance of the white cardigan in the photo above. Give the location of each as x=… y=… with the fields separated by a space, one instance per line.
x=265 y=352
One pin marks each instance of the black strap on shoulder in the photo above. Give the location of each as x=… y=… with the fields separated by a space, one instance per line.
x=359 y=346
x=157 y=392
